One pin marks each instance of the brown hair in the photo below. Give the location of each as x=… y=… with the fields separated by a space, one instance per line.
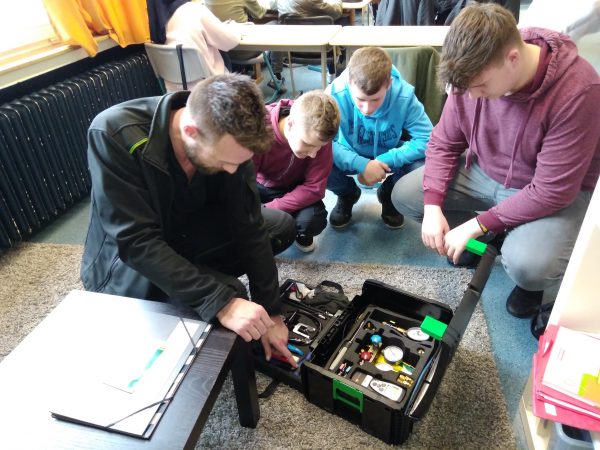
x=478 y=37
x=317 y=111
x=369 y=69
x=231 y=104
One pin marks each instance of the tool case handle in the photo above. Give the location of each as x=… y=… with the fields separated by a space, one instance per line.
x=421 y=399
x=464 y=311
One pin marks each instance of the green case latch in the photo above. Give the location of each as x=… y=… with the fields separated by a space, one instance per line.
x=475 y=246
x=434 y=327
x=348 y=395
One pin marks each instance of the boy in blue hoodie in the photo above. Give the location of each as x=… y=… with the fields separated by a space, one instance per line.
x=376 y=106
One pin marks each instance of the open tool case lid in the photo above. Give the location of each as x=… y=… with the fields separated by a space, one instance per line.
x=456 y=328
x=453 y=325
x=329 y=389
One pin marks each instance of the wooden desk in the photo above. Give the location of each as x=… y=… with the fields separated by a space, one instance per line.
x=26 y=385
x=284 y=38
x=391 y=36
x=351 y=7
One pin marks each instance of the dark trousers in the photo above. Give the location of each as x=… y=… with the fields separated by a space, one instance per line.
x=310 y=221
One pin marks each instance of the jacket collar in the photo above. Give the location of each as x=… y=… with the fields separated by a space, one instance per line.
x=159 y=140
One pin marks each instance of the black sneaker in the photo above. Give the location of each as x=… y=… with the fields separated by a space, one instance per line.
x=305 y=243
x=521 y=303
x=467 y=260
x=282 y=89
x=498 y=241
x=389 y=214
x=342 y=212
x=540 y=320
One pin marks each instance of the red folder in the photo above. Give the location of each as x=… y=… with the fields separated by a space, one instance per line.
x=554 y=405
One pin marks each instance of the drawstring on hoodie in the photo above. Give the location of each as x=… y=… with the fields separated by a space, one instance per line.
x=516 y=144
x=473 y=137
x=375 y=137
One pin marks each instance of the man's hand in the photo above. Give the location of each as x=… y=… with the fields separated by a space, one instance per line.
x=375 y=172
x=248 y=320
x=456 y=239
x=277 y=337
x=434 y=228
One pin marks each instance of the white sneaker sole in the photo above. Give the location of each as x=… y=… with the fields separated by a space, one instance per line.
x=305 y=248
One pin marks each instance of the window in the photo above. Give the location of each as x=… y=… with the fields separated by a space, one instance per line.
x=24 y=26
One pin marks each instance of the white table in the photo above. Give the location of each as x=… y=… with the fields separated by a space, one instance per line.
x=389 y=36
x=284 y=38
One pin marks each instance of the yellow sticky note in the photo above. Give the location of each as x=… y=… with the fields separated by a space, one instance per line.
x=590 y=388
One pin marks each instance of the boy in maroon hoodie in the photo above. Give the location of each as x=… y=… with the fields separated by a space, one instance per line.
x=292 y=176
x=514 y=152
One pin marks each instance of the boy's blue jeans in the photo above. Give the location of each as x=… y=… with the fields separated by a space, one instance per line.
x=342 y=184
x=535 y=254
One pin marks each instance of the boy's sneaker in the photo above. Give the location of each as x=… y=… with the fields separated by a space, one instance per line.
x=282 y=89
x=522 y=303
x=390 y=216
x=305 y=243
x=467 y=260
x=342 y=212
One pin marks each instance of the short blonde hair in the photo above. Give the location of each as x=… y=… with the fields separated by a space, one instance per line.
x=478 y=37
x=369 y=69
x=317 y=111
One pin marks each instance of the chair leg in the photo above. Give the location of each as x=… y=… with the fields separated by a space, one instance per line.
x=258 y=73
x=276 y=82
x=291 y=74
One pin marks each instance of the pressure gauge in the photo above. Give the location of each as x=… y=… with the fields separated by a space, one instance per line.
x=416 y=334
x=393 y=353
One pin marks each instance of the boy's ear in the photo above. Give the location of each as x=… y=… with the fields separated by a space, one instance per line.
x=513 y=55
x=289 y=123
x=389 y=83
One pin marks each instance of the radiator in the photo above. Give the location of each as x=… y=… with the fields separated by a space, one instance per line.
x=43 y=163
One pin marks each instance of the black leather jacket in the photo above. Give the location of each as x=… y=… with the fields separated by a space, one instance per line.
x=126 y=250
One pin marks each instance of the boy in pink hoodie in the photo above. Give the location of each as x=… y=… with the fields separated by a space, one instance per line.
x=292 y=176
x=514 y=152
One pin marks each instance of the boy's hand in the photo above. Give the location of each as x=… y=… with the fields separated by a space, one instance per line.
x=434 y=228
x=374 y=172
x=457 y=238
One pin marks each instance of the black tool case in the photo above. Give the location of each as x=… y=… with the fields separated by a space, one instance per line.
x=383 y=383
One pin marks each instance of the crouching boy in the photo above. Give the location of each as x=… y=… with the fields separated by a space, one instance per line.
x=292 y=176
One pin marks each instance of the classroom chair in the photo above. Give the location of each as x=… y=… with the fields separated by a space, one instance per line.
x=418 y=66
x=306 y=58
x=177 y=67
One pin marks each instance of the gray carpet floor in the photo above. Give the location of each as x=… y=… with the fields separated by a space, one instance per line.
x=468 y=411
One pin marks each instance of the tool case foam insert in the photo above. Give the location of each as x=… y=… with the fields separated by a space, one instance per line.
x=387 y=382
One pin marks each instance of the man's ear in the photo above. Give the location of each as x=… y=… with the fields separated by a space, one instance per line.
x=190 y=131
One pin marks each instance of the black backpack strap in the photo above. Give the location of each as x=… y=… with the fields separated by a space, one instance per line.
x=269 y=390
x=179 y=48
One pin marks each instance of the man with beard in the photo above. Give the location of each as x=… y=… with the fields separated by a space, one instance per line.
x=175 y=212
